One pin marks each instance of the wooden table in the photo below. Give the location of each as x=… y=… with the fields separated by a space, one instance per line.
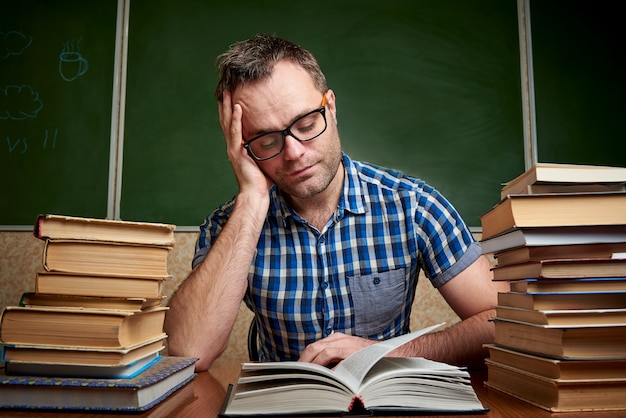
x=203 y=397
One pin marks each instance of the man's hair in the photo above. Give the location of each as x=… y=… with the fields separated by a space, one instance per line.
x=254 y=59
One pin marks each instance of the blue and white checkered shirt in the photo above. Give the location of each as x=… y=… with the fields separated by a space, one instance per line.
x=357 y=276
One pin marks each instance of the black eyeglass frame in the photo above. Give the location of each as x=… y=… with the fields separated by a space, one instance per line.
x=287 y=131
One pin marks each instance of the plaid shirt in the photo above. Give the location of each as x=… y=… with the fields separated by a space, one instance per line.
x=359 y=274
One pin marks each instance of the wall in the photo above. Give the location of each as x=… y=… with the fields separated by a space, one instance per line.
x=21 y=256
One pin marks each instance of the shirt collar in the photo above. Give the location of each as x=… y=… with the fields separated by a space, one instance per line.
x=352 y=199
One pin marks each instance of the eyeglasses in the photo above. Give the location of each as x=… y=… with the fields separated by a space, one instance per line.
x=303 y=129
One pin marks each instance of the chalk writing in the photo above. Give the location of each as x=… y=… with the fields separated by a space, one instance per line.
x=19 y=102
x=71 y=63
x=22 y=145
x=13 y=145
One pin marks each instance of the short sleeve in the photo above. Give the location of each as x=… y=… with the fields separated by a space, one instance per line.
x=446 y=243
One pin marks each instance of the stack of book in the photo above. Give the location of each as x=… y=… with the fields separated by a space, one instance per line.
x=560 y=339
x=95 y=319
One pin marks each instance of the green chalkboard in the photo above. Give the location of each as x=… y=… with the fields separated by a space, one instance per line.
x=578 y=54
x=429 y=87
x=56 y=83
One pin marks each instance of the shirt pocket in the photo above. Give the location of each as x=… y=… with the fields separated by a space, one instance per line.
x=378 y=299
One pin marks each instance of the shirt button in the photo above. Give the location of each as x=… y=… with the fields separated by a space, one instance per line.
x=325 y=285
x=376 y=280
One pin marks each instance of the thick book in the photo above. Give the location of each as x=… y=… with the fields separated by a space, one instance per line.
x=549 y=236
x=563 y=317
x=80 y=327
x=565 y=342
x=563 y=300
x=98 y=285
x=550 y=210
x=92 y=257
x=556 y=174
x=85 y=356
x=176 y=403
x=134 y=304
x=542 y=188
x=59 y=227
x=579 y=285
x=558 y=368
x=137 y=394
x=365 y=382
x=558 y=395
x=126 y=371
x=562 y=269
x=524 y=254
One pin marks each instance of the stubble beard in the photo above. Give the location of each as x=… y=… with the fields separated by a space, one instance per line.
x=312 y=186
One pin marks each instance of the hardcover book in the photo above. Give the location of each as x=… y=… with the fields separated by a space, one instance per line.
x=98 y=285
x=550 y=210
x=562 y=269
x=58 y=227
x=543 y=188
x=558 y=395
x=133 y=304
x=557 y=368
x=364 y=382
x=524 y=254
x=127 y=371
x=81 y=355
x=563 y=300
x=579 y=285
x=137 y=394
x=567 y=177
x=80 y=327
x=563 y=317
x=547 y=236
x=93 y=257
x=564 y=342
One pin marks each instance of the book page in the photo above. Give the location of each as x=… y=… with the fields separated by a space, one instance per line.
x=258 y=372
x=353 y=369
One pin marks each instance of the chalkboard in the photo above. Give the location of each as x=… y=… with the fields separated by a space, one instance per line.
x=429 y=87
x=56 y=83
x=578 y=54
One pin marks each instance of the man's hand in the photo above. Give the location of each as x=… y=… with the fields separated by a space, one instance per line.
x=331 y=350
x=249 y=175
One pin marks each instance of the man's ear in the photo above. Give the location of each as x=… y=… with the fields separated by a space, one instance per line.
x=332 y=104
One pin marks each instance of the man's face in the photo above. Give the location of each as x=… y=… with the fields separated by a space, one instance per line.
x=302 y=169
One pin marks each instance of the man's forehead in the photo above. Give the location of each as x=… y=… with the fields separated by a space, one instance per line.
x=274 y=105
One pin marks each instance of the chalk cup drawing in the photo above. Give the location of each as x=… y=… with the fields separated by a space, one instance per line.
x=72 y=64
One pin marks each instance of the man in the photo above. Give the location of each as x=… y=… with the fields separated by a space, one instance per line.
x=325 y=250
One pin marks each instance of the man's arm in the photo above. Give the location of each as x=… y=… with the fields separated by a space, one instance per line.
x=472 y=294
x=204 y=308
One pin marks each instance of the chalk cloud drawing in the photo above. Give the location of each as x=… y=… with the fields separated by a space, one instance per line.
x=19 y=102
x=13 y=43
x=72 y=64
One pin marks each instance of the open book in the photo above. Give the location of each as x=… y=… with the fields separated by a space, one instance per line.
x=366 y=381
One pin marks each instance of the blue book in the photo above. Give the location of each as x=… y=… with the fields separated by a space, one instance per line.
x=126 y=371
x=140 y=393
